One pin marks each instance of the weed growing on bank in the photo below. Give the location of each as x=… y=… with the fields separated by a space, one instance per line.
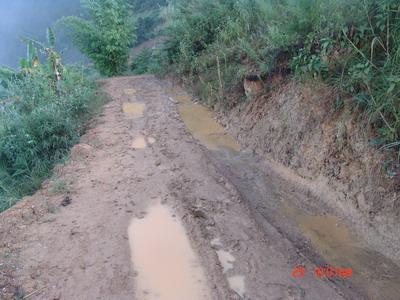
x=351 y=44
x=41 y=118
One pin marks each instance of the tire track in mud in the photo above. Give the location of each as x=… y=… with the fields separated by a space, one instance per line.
x=230 y=223
x=128 y=162
x=310 y=226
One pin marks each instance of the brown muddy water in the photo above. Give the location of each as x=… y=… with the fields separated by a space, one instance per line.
x=133 y=109
x=334 y=241
x=201 y=124
x=166 y=265
x=130 y=92
x=274 y=201
x=139 y=143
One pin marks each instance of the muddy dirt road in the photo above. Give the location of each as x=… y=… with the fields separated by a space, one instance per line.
x=158 y=202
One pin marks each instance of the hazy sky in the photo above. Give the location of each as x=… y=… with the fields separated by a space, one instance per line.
x=31 y=18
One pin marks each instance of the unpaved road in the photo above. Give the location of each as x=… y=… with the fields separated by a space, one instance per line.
x=144 y=210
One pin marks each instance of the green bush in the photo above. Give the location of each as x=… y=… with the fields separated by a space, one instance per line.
x=363 y=60
x=351 y=44
x=105 y=37
x=38 y=125
x=148 y=5
x=148 y=25
x=142 y=62
x=150 y=61
x=148 y=18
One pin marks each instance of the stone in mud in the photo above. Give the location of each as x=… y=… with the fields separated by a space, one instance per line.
x=74 y=231
x=66 y=201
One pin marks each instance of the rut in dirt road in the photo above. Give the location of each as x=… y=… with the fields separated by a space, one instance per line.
x=150 y=215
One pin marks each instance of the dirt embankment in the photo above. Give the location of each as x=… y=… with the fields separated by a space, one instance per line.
x=297 y=128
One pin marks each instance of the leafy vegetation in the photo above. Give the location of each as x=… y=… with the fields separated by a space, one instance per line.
x=142 y=62
x=148 y=18
x=352 y=44
x=105 y=36
x=42 y=116
x=149 y=61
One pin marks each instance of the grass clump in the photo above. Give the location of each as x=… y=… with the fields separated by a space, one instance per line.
x=43 y=115
x=59 y=186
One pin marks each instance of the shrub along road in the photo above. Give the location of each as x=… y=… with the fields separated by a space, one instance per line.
x=99 y=227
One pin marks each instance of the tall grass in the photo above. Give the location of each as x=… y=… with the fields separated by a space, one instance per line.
x=351 y=44
x=38 y=125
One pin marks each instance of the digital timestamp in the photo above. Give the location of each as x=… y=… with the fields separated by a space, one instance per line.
x=322 y=272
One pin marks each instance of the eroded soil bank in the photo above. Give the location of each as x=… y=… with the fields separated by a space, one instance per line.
x=328 y=150
x=157 y=179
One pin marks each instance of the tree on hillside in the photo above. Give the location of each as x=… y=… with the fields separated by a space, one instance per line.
x=105 y=35
x=148 y=18
x=141 y=6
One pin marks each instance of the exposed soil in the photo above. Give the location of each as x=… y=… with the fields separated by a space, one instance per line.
x=324 y=144
x=154 y=157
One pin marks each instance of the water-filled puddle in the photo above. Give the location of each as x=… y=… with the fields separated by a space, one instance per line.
x=226 y=259
x=237 y=284
x=139 y=143
x=129 y=92
x=338 y=246
x=201 y=124
x=133 y=110
x=183 y=98
x=167 y=267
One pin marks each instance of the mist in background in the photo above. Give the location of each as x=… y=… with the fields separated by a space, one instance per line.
x=30 y=18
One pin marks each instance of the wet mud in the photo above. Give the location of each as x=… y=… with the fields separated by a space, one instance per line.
x=332 y=242
x=167 y=267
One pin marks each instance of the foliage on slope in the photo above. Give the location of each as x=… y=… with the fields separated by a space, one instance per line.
x=148 y=18
x=42 y=114
x=105 y=35
x=351 y=44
